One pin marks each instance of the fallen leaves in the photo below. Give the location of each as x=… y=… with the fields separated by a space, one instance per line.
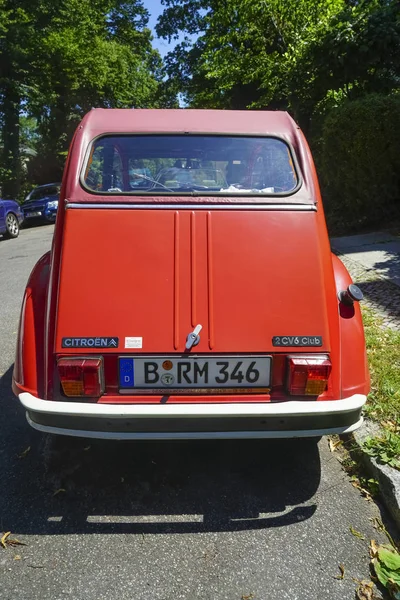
x=356 y=533
x=379 y=526
x=365 y=590
x=25 y=452
x=390 y=425
x=7 y=541
x=333 y=445
x=367 y=487
x=341 y=569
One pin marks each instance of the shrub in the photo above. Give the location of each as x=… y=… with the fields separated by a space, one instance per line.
x=359 y=162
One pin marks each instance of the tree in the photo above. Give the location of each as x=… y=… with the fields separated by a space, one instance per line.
x=358 y=55
x=245 y=48
x=15 y=31
x=281 y=53
x=58 y=60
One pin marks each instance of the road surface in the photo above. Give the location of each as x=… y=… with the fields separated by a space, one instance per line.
x=205 y=520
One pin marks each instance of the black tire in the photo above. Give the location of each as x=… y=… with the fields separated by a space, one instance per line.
x=12 y=226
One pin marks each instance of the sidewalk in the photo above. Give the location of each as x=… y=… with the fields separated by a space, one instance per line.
x=373 y=261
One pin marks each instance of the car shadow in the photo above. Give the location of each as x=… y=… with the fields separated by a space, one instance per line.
x=29 y=224
x=72 y=485
x=4 y=238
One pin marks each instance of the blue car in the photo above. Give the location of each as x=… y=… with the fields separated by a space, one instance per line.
x=11 y=217
x=42 y=203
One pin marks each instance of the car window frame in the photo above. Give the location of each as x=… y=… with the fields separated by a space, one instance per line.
x=207 y=194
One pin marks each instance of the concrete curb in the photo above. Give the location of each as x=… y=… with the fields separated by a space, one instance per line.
x=388 y=478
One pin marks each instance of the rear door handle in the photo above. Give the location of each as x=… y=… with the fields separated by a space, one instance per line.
x=193 y=338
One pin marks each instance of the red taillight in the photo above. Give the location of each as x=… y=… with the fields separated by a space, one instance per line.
x=81 y=376
x=308 y=375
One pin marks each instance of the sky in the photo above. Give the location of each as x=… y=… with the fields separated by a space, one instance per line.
x=155 y=8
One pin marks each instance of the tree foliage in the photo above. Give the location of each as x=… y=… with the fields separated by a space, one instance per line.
x=59 y=59
x=281 y=53
x=359 y=162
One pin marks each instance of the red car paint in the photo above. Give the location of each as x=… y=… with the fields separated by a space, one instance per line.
x=247 y=268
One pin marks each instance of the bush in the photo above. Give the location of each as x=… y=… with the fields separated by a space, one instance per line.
x=359 y=163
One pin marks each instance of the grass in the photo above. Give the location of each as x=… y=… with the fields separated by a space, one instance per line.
x=383 y=406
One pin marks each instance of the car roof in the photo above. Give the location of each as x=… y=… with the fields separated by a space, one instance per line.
x=184 y=120
x=109 y=121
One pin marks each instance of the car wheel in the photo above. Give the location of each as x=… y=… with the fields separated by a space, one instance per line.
x=12 y=226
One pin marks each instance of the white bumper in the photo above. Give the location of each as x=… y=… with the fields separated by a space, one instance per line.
x=268 y=420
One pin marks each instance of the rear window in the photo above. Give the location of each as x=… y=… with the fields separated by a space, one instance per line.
x=189 y=164
x=43 y=192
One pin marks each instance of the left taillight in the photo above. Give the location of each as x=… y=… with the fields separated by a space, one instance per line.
x=81 y=377
x=308 y=375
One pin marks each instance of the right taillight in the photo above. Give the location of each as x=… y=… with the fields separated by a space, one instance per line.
x=308 y=375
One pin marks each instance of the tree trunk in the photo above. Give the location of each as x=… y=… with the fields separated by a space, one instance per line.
x=11 y=154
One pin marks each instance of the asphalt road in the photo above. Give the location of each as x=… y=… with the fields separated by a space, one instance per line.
x=267 y=520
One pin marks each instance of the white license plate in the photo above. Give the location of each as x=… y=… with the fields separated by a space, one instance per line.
x=34 y=214
x=194 y=372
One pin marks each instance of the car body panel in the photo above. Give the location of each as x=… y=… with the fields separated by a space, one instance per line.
x=231 y=271
x=247 y=268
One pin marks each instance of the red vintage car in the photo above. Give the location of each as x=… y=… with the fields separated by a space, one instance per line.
x=190 y=291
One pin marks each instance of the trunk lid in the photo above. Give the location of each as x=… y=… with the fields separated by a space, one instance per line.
x=149 y=276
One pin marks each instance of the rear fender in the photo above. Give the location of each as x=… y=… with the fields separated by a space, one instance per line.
x=29 y=365
x=353 y=357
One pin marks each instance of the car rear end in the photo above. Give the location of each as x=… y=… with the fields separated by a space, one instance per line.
x=212 y=312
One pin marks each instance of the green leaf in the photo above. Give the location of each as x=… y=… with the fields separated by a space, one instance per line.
x=390 y=559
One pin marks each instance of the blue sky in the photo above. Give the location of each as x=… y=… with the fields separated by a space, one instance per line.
x=155 y=9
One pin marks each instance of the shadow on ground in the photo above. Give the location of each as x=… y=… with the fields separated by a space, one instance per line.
x=147 y=487
x=383 y=257
x=390 y=267
x=384 y=294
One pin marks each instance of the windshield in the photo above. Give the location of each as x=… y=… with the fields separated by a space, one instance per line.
x=179 y=164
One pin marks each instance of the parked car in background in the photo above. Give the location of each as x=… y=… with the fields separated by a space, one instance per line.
x=11 y=217
x=41 y=203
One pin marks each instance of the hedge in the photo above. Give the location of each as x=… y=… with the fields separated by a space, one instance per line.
x=358 y=158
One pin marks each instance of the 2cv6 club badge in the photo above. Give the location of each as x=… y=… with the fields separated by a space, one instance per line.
x=297 y=340
x=222 y=247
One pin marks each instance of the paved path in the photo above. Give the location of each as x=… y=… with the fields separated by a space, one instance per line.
x=373 y=261
x=171 y=521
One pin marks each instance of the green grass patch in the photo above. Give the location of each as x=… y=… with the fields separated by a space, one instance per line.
x=383 y=406
x=385 y=448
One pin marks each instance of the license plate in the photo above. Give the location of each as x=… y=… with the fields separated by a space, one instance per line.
x=34 y=214
x=194 y=372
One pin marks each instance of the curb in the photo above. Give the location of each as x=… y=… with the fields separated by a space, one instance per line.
x=388 y=478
